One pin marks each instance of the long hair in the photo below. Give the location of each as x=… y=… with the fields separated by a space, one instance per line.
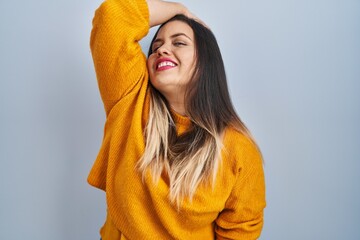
x=192 y=158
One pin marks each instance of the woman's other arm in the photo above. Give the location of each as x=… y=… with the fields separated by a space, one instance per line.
x=243 y=215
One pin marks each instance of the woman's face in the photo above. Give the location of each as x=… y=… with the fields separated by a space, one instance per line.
x=172 y=61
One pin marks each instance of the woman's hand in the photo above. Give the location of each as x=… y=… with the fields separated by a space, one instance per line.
x=161 y=11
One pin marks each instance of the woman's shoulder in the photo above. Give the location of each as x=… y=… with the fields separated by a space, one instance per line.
x=238 y=140
x=240 y=150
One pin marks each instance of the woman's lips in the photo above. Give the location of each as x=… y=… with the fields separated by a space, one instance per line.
x=164 y=64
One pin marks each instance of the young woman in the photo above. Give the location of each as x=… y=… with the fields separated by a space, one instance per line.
x=176 y=162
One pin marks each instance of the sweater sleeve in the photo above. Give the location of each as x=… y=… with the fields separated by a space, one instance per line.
x=242 y=217
x=119 y=62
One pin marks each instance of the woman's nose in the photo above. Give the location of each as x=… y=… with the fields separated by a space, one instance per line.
x=163 y=50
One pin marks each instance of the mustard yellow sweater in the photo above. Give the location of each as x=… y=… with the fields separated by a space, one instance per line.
x=140 y=210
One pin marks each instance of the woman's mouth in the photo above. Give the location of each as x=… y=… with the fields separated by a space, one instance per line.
x=164 y=64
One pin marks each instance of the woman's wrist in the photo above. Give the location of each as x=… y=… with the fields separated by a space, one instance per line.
x=161 y=11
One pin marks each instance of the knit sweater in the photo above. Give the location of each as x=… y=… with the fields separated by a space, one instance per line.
x=139 y=209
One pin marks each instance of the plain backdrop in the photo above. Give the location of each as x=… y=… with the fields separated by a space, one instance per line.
x=293 y=69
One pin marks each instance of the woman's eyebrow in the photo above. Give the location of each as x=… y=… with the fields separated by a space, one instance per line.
x=180 y=34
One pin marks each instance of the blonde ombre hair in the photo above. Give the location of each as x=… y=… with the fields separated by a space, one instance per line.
x=194 y=157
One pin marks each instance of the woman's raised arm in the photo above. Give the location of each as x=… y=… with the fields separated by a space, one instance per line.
x=118 y=26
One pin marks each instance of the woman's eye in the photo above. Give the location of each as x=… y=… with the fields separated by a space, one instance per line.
x=179 y=44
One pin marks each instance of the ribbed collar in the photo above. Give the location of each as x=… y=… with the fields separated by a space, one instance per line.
x=182 y=123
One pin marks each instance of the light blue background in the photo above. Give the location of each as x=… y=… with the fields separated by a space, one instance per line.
x=294 y=73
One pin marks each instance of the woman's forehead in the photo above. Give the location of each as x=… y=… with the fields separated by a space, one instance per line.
x=175 y=28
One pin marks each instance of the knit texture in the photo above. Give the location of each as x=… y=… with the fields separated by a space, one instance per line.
x=140 y=209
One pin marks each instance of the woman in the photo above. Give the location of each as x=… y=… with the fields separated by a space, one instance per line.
x=176 y=162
